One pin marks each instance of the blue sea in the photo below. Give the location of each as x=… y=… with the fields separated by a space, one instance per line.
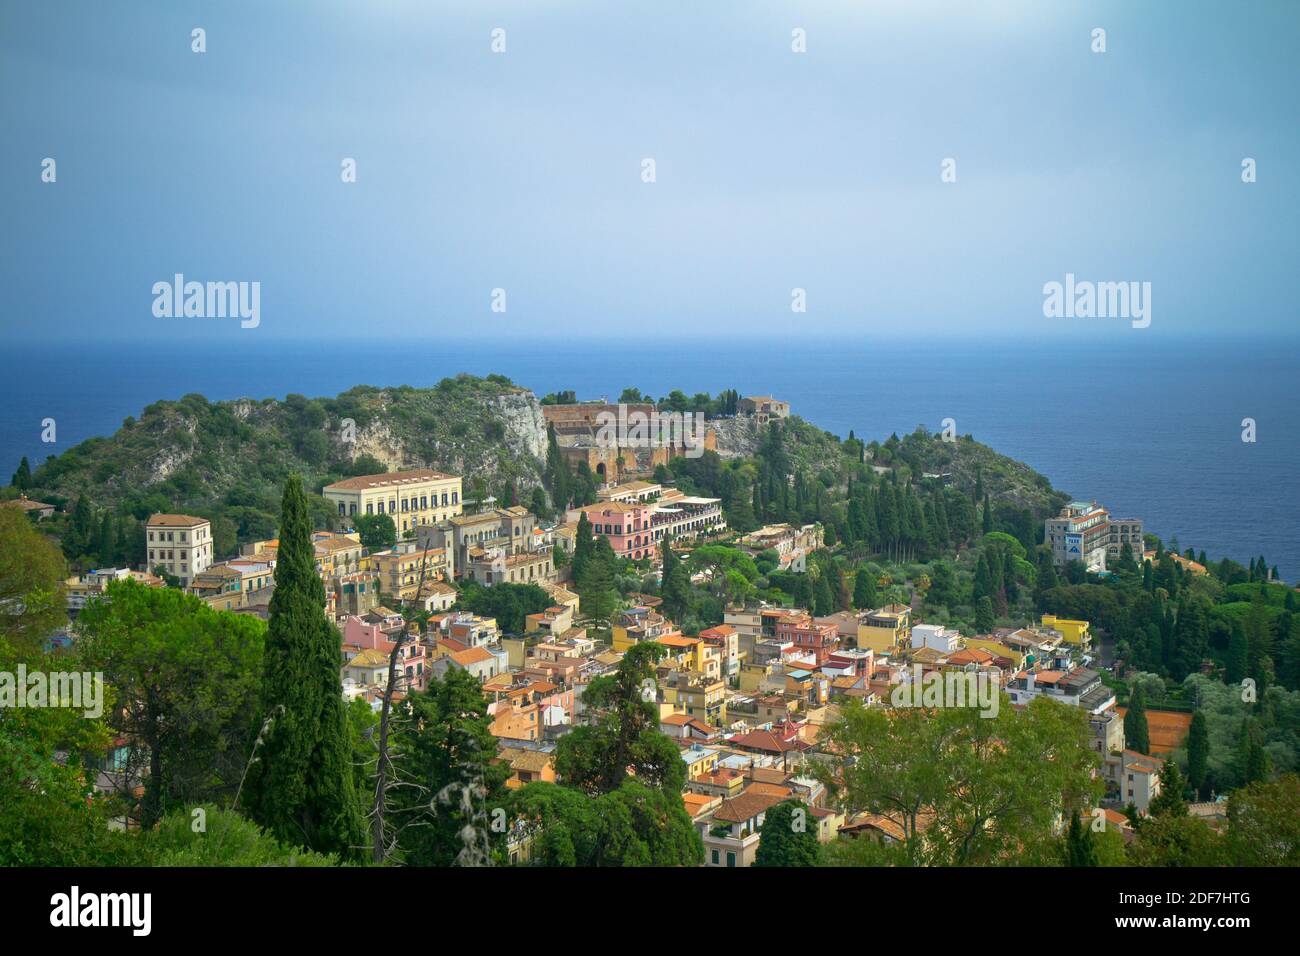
x=1151 y=431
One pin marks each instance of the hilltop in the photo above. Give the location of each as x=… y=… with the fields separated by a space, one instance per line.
x=231 y=458
x=228 y=460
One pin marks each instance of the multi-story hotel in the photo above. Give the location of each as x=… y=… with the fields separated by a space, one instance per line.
x=1084 y=531
x=468 y=538
x=626 y=525
x=411 y=498
x=398 y=571
x=181 y=544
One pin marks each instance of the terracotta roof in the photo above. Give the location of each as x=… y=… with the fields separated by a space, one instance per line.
x=174 y=521
x=472 y=655
x=746 y=806
x=533 y=761
x=388 y=479
x=767 y=741
x=769 y=789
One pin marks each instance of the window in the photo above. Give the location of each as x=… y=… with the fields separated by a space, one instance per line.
x=715 y=857
x=731 y=859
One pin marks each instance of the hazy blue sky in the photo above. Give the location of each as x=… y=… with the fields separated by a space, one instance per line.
x=522 y=170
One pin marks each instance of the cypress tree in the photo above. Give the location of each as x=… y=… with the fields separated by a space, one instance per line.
x=823 y=595
x=942 y=533
x=988 y=514
x=864 y=590
x=1136 y=735
x=583 y=546
x=300 y=786
x=1198 y=752
x=1079 y=850
x=556 y=476
x=675 y=584
x=983 y=584
x=1234 y=670
x=1169 y=801
x=22 y=479
x=1254 y=758
x=1009 y=577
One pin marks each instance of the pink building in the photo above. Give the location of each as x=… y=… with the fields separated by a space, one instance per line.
x=626 y=525
x=810 y=638
x=413 y=662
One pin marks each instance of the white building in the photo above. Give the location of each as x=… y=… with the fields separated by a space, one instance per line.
x=936 y=637
x=180 y=544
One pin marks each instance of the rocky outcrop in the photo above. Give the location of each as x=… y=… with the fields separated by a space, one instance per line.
x=738 y=436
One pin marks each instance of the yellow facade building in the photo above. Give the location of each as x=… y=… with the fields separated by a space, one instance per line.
x=410 y=498
x=1072 y=632
x=885 y=630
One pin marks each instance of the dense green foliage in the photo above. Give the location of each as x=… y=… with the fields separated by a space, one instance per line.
x=788 y=837
x=185 y=679
x=510 y=604
x=228 y=461
x=451 y=786
x=300 y=786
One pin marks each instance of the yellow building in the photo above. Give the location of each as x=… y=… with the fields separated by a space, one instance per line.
x=752 y=677
x=996 y=649
x=399 y=571
x=886 y=629
x=699 y=760
x=1072 y=632
x=704 y=699
x=411 y=498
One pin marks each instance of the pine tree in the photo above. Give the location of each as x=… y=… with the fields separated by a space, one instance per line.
x=1198 y=752
x=598 y=597
x=1136 y=735
x=788 y=837
x=300 y=786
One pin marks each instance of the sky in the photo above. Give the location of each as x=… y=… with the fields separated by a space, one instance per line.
x=523 y=170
